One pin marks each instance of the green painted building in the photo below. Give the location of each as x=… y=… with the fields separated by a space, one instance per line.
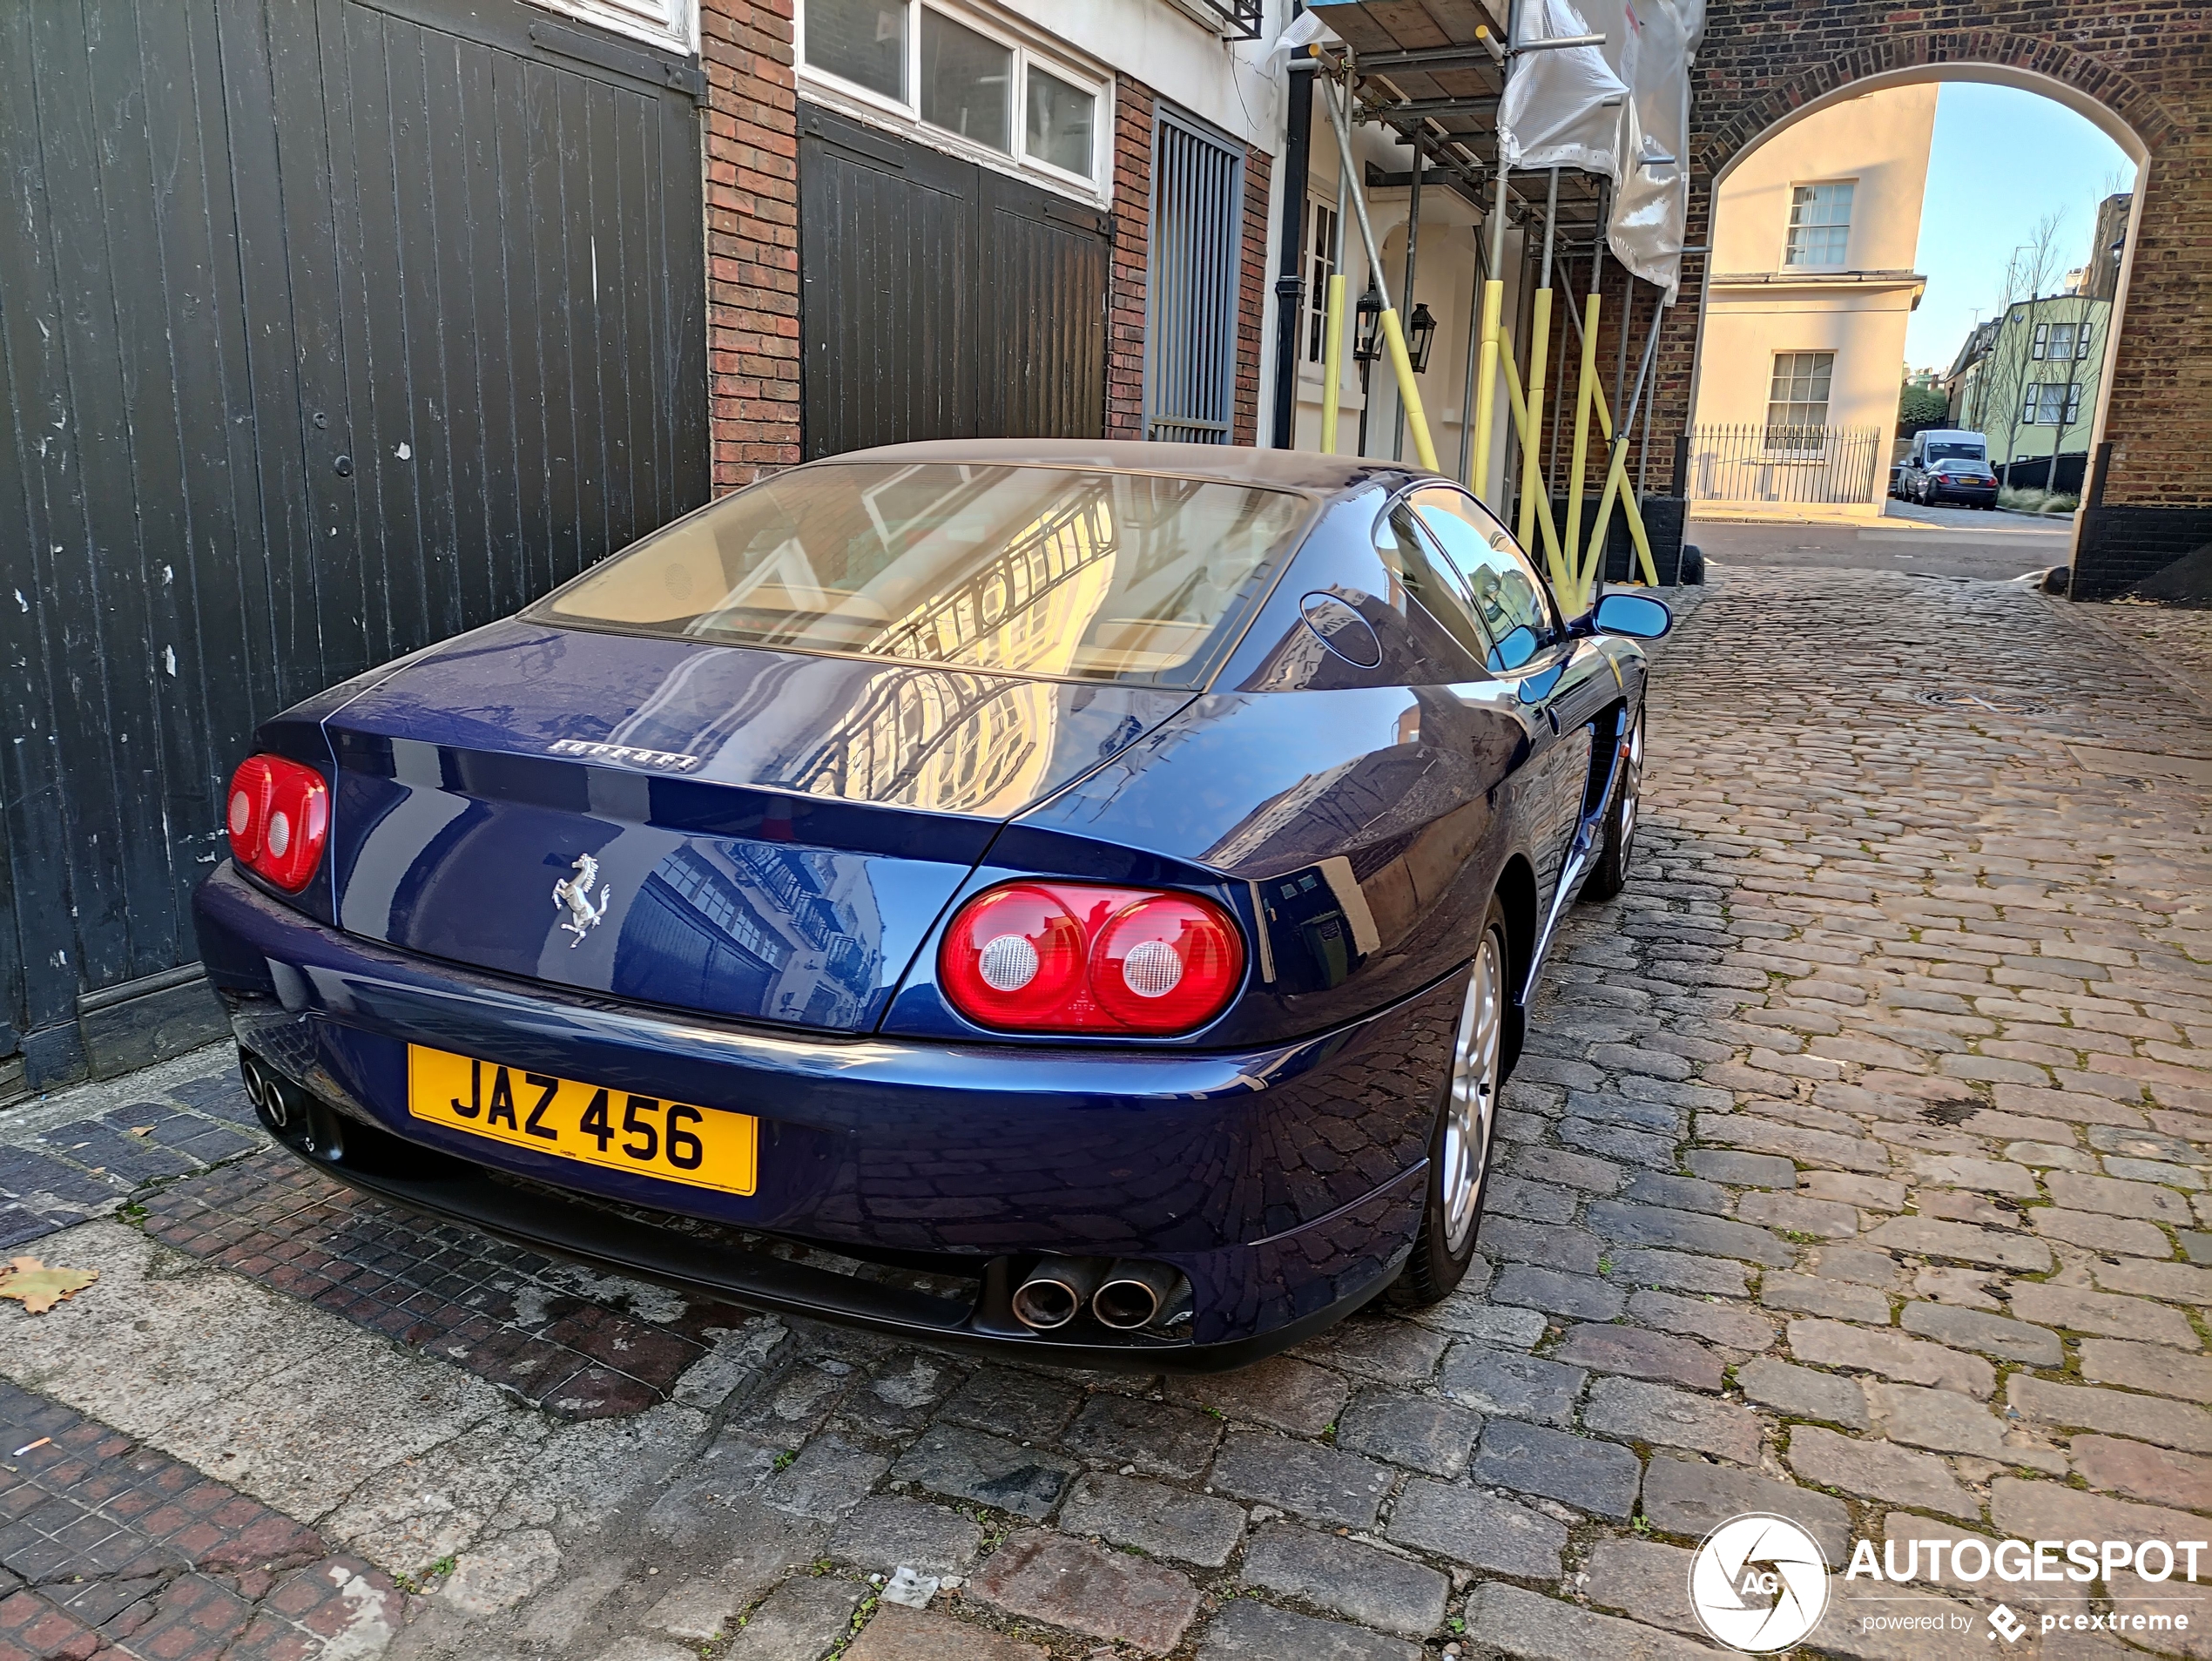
x=2027 y=382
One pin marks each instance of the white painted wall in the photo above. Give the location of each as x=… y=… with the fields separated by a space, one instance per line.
x=1757 y=306
x=1233 y=84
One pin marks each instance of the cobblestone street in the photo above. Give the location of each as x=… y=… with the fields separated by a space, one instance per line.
x=1856 y=1171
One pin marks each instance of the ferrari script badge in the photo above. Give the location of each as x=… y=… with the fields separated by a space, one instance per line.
x=575 y=894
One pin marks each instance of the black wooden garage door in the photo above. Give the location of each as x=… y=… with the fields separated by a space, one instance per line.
x=328 y=329
x=941 y=298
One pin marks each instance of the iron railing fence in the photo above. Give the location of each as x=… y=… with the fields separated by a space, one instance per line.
x=1754 y=462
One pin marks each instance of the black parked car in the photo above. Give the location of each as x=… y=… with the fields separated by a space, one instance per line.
x=1946 y=464
x=1957 y=480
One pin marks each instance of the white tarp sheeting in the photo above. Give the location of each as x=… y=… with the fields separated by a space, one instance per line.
x=1621 y=111
x=1562 y=108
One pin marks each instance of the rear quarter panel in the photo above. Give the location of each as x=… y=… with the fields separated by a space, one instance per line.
x=1364 y=813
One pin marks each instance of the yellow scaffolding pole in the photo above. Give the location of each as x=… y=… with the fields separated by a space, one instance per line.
x=1540 y=340
x=1630 y=507
x=1331 y=363
x=1616 y=483
x=1558 y=565
x=1539 y=350
x=1494 y=298
x=1409 y=392
x=1485 y=392
x=1582 y=422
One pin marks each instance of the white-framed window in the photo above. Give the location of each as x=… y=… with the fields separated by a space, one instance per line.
x=1819 y=224
x=2042 y=341
x=668 y=23
x=2052 y=404
x=1320 y=266
x=1796 y=408
x=955 y=72
x=2066 y=341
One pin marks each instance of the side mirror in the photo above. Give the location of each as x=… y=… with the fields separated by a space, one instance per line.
x=1638 y=615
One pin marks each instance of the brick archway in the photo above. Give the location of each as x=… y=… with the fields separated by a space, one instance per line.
x=2145 y=75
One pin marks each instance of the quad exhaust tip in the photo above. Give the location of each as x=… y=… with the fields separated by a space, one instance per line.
x=1055 y=1293
x=267 y=1093
x=1132 y=1294
x=1125 y=1294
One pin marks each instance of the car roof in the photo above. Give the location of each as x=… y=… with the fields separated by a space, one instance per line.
x=1950 y=432
x=1224 y=463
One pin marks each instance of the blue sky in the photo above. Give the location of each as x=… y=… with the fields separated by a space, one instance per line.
x=2001 y=159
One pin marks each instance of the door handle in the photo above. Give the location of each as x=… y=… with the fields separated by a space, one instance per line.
x=1551 y=714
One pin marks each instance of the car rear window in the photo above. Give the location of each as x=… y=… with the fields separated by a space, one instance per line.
x=1957 y=452
x=1051 y=571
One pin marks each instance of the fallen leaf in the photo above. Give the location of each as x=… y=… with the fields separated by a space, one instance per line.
x=142 y=1129
x=39 y=1288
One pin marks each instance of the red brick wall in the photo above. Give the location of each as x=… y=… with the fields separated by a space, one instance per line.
x=751 y=237
x=1133 y=113
x=2148 y=61
x=1132 y=259
x=752 y=248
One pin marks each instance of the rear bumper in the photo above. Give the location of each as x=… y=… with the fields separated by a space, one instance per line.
x=1286 y=1185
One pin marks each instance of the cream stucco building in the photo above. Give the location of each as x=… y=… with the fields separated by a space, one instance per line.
x=1814 y=237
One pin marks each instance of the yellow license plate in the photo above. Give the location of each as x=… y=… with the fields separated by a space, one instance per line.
x=620 y=1130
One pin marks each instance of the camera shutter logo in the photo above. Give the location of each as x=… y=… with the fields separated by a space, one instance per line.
x=1758 y=1583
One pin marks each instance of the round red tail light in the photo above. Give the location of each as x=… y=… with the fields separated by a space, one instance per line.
x=1042 y=956
x=1166 y=965
x=277 y=813
x=1013 y=956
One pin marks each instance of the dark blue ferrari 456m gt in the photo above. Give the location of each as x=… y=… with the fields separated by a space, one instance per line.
x=1072 y=897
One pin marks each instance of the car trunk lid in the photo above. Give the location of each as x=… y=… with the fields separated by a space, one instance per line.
x=721 y=829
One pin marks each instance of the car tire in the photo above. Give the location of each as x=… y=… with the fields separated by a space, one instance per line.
x=1610 y=873
x=1459 y=1144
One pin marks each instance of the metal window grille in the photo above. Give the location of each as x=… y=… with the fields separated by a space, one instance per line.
x=1320 y=266
x=1797 y=409
x=1191 y=301
x=1819 y=225
x=1741 y=462
x=1237 y=19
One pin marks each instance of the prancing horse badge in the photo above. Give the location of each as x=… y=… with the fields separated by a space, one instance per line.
x=574 y=893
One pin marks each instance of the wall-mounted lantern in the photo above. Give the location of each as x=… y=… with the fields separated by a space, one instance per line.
x=1420 y=334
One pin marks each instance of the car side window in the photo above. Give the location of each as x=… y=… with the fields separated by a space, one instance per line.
x=1508 y=596
x=1411 y=563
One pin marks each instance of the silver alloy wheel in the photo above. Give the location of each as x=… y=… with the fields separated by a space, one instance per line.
x=1476 y=1058
x=1631 y=788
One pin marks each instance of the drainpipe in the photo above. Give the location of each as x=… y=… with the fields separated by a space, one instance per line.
x=1413 y=249
x=1290 y=279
